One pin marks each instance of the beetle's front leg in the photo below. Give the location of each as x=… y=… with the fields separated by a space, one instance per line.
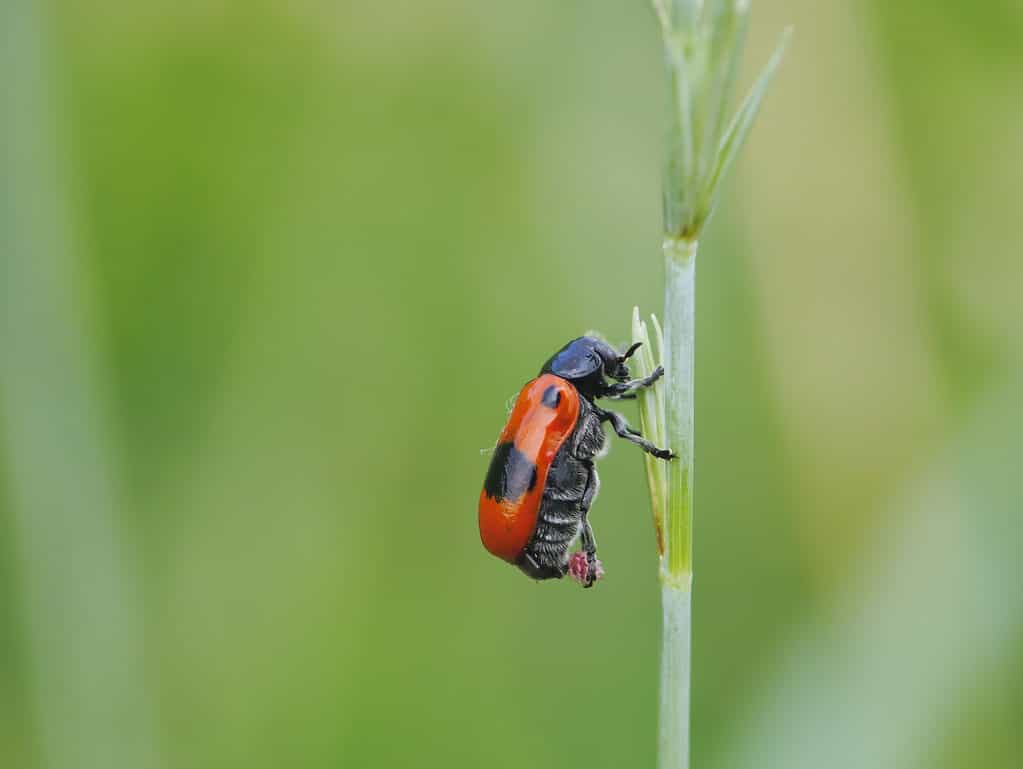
x=621 y=427
x=622 y=389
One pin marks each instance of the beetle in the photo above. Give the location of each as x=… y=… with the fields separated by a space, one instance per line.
x=542 y=480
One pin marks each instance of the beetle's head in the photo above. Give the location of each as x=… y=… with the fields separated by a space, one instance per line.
x=586 y=361
x=615 y=367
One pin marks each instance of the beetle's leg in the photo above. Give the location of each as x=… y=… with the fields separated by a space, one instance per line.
x=621 y=427
x=619 y=389
x=587 y=540
x=590 y=548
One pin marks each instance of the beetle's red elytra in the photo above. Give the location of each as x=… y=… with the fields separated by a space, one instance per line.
x=542 y=481
x=544 y=416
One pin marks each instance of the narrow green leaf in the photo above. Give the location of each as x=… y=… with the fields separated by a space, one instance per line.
x=734 y=138
x=663 y=17
x=649 y=409
x=726 y=26
x=678 y=187
x=685 y=14
x=658 y=355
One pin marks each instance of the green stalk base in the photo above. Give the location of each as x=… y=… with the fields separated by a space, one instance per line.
x=676 y=642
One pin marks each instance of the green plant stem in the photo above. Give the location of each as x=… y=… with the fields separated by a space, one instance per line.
x=679 y=347
x=84 y=645
x=702 y=50
x=676 y=639
x=676 y=563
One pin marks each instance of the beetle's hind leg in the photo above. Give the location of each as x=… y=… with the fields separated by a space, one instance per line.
x=621 y=427
x=589 y=543
x=586 y=537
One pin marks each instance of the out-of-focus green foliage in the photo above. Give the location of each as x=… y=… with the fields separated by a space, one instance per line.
x=305 y=253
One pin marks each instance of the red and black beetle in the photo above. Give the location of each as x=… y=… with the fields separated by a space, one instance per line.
x=542 y=480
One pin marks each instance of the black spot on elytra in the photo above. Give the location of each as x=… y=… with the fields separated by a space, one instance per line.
x=511 y=474
x=551 y=397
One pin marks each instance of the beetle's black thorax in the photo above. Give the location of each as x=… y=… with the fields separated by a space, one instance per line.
x=585 y=362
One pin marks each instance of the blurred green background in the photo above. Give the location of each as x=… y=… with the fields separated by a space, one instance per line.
x=271 y=272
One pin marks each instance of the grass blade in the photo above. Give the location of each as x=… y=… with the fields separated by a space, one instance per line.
x=735 y=136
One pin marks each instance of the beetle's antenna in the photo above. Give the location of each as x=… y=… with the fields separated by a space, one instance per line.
x=628 y=353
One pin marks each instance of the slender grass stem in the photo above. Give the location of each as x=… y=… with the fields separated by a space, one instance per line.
x=676 y=563
x=679 y=349
x=676 y=647
x=702 y=49
x=82 y=613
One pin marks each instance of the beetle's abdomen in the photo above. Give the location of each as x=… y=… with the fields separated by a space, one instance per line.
x=543 y=417
x=570 y=489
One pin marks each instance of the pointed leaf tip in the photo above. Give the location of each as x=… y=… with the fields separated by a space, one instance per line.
x=735 y=135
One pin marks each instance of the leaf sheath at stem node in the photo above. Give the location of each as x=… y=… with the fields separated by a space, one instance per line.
x=679 y=350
